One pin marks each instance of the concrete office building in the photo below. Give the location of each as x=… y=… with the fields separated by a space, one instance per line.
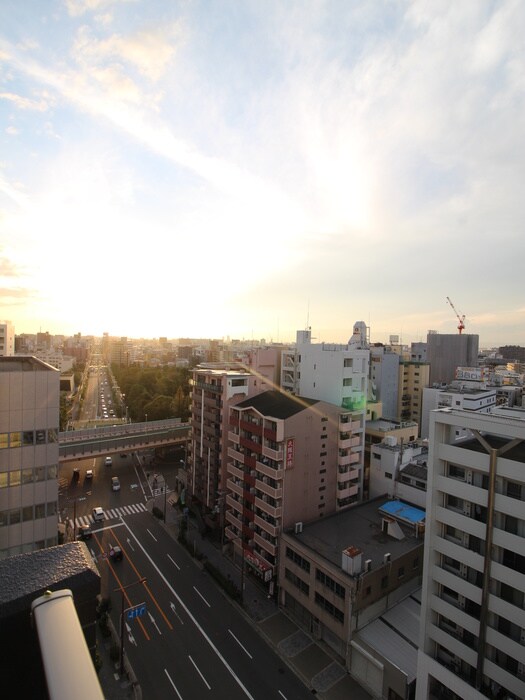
x=340 y=573
x=473 y=614
x=29 y=421
x=446 y=352
x=474 y=397
x=376 y=432
x=289 y=460
x=7 y=338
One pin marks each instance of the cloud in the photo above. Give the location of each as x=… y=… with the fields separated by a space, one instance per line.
x=147 y=52
x=77 y=8
x=24 y=102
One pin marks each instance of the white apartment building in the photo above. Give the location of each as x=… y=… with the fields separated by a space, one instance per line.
x=336 y=374
x=473 y=614
x=475 y=398
x=29 y=452
x=7 y=338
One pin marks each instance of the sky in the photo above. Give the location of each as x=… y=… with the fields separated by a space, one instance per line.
x=248 y=168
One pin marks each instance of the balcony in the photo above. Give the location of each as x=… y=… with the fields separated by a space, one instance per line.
x=276 y=455
x=348 y=492
x=250 y=445
x=232 y=503
x=267 y=470
x=351 y=441
x=276 y=493
x=265 y=525
x=233 y=520
x=233 y=453
x=265 y=544
x=275 y=511
x=249 y=427
x=235 y=471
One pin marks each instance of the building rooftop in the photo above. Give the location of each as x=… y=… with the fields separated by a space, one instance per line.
x=277 y=404
x=362 y=527
x=23 y=363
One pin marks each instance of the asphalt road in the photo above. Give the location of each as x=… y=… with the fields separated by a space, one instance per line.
x=190 y=641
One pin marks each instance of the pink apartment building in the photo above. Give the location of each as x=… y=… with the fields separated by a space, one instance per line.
x=289 y=462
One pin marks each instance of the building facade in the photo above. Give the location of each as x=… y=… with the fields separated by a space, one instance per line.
x=473 y=600
x=7 y=338
x=288 y=462
x=446 y=352
x=29 y=421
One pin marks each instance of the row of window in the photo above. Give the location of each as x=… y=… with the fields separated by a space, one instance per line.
x=24 y=438
x=35 y=511
x=296 y=581
x=330 y=583
x=298 y=559
x=329 y=608
x=17 y=477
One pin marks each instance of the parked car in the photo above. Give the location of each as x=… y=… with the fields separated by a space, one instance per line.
x=115 y=553
x=84 y=532
x=115 y=483
x=76 y=474
x=108 y=461
x=89 y=474
x=98 y=514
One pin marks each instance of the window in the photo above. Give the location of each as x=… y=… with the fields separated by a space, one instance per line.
x=28 y=437
x=347 y=382
x=329 y=582
x=329 y=608
x=298 y=559
x=297 y=581
x=388 y=475
x=456 y=472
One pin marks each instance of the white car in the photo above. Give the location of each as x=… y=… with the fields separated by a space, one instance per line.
x=89 y=474
x=115 y=483
x=108 y=461
x=98 y=514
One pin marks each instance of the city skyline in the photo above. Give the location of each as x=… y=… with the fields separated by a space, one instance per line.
x=207 y=169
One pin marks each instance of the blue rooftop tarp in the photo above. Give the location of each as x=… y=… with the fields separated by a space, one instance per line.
x=403 y=511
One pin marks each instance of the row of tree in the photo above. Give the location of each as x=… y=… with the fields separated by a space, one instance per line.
x=155 y=392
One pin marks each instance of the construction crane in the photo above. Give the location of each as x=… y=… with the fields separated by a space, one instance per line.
x=461 y=319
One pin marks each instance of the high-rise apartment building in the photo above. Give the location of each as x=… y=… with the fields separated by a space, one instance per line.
x=289 y=461
x=336 y=374
x=414 y=376
x=473 y=603
x=29 y=421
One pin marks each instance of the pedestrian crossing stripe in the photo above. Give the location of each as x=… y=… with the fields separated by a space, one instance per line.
x=112 y=514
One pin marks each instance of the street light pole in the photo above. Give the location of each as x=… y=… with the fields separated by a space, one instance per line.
x=122 y=589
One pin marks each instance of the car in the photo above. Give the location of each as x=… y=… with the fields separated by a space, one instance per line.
x=76 y=474
x=98 y=514
x=115 y=553
x=115 y=483
x=84 y=532
x=89 y=474
x=108 y=461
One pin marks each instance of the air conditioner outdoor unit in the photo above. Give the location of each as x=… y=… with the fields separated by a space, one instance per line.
x=386 y=558
x=368 y=565
x=298 y=528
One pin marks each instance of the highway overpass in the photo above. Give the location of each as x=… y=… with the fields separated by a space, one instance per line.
x=97 y=442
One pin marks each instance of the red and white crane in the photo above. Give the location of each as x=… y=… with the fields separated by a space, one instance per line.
x=461 y=319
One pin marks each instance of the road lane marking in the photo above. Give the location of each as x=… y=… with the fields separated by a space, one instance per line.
x=199 y=672
x=173 y=562
x=192 y=618
x=152 y=535
x=282 y=695
x=173 y=684
x=242 y=647
x=174 y=609
x=204 y=599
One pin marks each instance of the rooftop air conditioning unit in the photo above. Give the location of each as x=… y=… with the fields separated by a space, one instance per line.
x=387 y=558
x=298 y=528
x=368 y=565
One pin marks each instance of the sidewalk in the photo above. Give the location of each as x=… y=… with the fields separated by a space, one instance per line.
x=319 y=671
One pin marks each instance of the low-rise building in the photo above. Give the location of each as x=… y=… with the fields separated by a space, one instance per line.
x=338 y=574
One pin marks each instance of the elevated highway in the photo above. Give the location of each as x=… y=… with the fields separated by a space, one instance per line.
x=108 y=440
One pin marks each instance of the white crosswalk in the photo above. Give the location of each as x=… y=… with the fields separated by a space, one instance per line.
x=113 y=513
